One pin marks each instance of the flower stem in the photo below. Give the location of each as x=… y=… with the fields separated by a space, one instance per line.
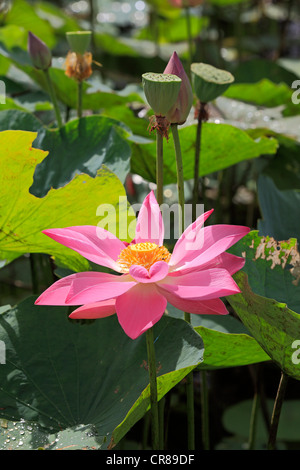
x=204 y=410
x=34 y=274
x=187 y=316
x=202 y=116
x=253 y=421
x=161 y=412
x=277 y=410
x=153 y=389
x=53 y=98
x=159 y=168
x=180 y=178
x=79 y=99
x=196 y=168
x=189 y=34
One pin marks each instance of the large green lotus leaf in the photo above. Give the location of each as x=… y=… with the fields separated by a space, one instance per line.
x=81 y=146
x=274 y=326
x=114 y=45
x=23 y=216
x=223 y=350
x=269 y=302
x=138 y=126
x=4 y=65
x=16 y=120
x=255 y=70
x=62 y=374
x=163 y=8
x=174 y=30
x=9 y=104
x=280 y=209
x=22 y=435
x=236 y=420
x=22 y=14
x=227 y=342
x=272 y=267
x=278 y=189
x=66 y=90
x=32 y=102
x=284 y=167
x=222 y=145
x=60 y=21
x=262 y=93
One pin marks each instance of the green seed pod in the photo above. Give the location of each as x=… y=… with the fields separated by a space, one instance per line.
x=161 y=90
x=79 y=41
x=209 y=82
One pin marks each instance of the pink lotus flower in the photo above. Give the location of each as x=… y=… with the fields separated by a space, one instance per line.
x=192 y=278
x=180 y=110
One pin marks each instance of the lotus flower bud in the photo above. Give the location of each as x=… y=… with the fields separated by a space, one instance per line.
x=209 y=82
x=161 y=91
x=39 y=52
x=180 y=110
x=79 y=41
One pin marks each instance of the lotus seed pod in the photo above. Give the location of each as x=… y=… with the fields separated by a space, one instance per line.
x=39 y=52
x=209 y=82
x=161 y=91
x=79 y=41
x=180 y=110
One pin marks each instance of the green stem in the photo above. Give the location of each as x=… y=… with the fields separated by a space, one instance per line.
x=53 y=98
x=190 y=410
x=79 y=99
x=204 y=411
x=153 y=389
x=93 y=16
x=239 y=32
x=187 y=317
x=189 y=35
x=159 y=168
x=34 y=274
x=161 y=412
x=202 y=117
x=197 y=167
x=180 y=178
x=253 y=421
x=154 y=25
x=146 y=427
x=277 y=410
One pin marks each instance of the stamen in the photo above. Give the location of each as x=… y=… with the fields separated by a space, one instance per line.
x=143 y=254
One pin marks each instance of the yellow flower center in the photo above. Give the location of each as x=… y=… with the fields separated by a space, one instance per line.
x=143 y=254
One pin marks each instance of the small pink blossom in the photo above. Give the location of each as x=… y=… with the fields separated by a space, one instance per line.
x=192 y=278
x=180 y=111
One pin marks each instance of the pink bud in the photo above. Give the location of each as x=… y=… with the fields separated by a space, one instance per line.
x=39 y=52
x=180 y=111
x=185 y=3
